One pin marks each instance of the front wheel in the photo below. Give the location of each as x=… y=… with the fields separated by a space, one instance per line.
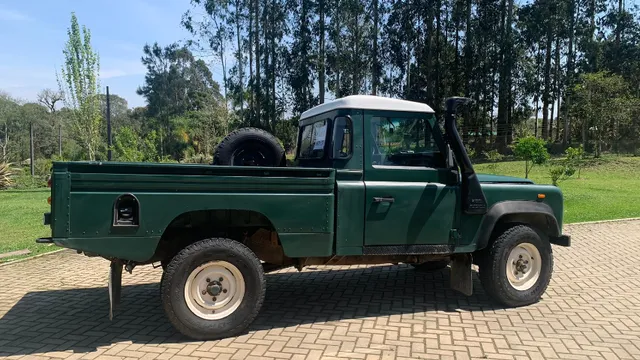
x=516 y=269
x=212 y=289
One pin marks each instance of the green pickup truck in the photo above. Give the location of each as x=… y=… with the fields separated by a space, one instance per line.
x=377 y=181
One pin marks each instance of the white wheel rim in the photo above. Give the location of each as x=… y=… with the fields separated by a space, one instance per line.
x=523 y=266
x=217 y=280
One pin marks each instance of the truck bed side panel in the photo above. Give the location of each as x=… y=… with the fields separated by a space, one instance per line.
x=300 y=206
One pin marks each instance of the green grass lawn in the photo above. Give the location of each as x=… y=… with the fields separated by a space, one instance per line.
x=608 y=188
x=21 y=221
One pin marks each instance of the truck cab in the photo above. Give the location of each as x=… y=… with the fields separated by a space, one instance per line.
x=396 y=192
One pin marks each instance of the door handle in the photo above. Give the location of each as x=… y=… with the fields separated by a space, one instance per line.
x=383 y=199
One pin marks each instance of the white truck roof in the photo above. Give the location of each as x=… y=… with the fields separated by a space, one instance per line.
x=367 y=102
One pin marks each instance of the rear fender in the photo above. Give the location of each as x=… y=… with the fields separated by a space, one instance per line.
x=537 y=214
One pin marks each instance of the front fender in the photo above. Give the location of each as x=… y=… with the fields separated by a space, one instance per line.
x=537 y=214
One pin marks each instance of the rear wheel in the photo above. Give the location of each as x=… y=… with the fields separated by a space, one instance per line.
x=516 y=269
x=212 y=289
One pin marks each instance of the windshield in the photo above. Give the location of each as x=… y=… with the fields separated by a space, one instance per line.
x=406 y=141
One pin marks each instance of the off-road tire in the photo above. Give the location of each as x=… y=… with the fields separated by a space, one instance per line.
x=250 y=138
x=431 y=266
x=493 y=267
x=196 y=254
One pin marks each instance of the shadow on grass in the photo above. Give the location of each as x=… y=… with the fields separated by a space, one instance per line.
x=77 y=319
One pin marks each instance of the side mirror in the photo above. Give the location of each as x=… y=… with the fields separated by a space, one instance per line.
x=342 y=144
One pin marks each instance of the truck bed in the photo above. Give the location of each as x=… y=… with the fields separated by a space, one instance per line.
x=84 y=194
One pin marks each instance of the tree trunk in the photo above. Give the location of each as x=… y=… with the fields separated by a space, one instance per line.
x=31 y=152
x=376 y=66
x=251 y=78
x=619 y=23
x=355 y=69
x=556 y=93
x=592 y=39
x=569 y=77
x=468 y=73
x=547 y=85
x=239 y=56
x=506 y=50
x=535 y=131
x=456 y=61
x=258 y=77
x=5 y=143
x=437 y=88
x=274 y=110
x=321 y=68
x=429 y=62
x=267 y=68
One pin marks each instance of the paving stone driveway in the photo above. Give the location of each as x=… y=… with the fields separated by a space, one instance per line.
x=56 y=307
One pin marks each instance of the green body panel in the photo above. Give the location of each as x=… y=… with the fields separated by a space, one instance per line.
x=422 y=213
x=350 y=219
x=496 y=193
x=300 y=206
x=324 y=208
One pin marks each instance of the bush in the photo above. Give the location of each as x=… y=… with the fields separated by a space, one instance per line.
x=560 y=172
x=6 y=174
x=531 y=150
x=575 y=157
x=494 y=157
x=42 y=167
x=471 y=152
x=198 y=159
x=24 y=181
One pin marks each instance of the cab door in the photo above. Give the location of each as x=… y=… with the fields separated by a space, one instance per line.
x=410 y=198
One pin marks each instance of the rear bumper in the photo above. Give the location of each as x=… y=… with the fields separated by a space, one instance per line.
x=562 y=240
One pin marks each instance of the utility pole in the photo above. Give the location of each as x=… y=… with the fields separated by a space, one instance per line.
x=109 y=143
x=31 y=152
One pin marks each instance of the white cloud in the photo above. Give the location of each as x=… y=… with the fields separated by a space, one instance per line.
x=13 y=15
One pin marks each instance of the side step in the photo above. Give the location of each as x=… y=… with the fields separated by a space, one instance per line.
x=408 y=250
x=46 y=240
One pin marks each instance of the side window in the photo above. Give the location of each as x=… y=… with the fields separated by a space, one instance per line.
x=342 y=138
x=312 y=140
x=401 y=141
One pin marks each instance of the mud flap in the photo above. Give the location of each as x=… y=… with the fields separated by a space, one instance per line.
x=115 y=286
x=462 y=274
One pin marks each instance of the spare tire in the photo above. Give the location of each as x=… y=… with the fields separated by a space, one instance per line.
x=250 y=147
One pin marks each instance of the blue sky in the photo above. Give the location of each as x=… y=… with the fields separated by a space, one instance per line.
x=33 y=33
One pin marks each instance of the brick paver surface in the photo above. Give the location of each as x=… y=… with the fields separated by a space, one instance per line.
x=56 y=307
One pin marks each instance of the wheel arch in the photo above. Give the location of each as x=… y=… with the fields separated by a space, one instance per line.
x=246 y=226
x=538 y=215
